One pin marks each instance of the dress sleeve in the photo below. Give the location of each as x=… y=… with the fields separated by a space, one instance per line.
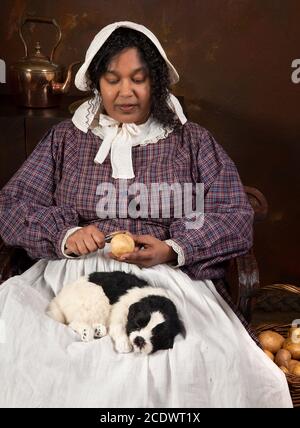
x=226 y=230
x=29 y=216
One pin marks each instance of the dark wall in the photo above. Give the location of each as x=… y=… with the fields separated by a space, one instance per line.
x=234 y=58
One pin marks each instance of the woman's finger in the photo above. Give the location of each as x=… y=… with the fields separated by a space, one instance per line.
x=99 y=239
x=137 y=256
x=90 y=244
x=82 y=248
x=143 y=239
x=70 y=251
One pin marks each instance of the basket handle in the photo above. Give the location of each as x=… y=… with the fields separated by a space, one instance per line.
x=279 y=287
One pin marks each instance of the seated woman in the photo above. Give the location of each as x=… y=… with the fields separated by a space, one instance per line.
x=132 y=135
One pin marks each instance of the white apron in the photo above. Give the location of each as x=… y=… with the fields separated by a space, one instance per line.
x=44 y=363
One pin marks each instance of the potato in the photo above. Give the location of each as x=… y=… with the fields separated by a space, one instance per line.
x=292 y=364
x=294 y=348
x=296 y=370
x=121 y=244
x=283 y=358
x=271 y=341
x=284 y=369
x=269 y=354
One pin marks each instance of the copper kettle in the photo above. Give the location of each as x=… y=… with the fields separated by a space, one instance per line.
x=35 y=80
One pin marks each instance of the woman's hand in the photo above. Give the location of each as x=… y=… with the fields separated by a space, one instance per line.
x=149 y=251
x=85 y=241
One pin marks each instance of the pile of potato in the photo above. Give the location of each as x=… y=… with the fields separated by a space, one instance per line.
x=284 y=352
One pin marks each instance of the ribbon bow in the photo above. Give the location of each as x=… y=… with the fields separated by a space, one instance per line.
x=118 y=141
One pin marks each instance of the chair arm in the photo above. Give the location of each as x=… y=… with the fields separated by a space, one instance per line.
x=242 y=278
x=242 y=275
x=258 y=202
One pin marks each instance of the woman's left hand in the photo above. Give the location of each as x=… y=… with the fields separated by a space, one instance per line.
x=149 y=251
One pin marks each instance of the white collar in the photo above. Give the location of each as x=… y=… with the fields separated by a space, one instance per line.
x=86 y=112
x=120 y=140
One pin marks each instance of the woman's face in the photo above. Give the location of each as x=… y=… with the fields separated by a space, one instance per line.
x=126 y=82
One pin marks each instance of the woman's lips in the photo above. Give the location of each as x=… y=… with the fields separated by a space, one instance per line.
x=127 y=108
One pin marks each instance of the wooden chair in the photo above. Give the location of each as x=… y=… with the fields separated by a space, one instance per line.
x=242 y=275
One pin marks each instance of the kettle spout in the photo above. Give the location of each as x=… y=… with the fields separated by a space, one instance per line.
x=62 y=88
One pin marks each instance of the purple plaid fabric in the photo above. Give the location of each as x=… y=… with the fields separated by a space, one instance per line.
x=56 y=189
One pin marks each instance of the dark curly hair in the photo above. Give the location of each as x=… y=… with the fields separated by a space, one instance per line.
x=123 y=38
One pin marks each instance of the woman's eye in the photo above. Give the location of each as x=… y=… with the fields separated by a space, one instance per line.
x=113 y=82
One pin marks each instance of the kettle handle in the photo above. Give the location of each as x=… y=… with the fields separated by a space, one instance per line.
x=40 y=19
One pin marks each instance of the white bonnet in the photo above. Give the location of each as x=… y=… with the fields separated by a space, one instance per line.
x=81 y=79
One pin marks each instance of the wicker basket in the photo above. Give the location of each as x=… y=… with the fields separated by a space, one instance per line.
x=278 y=297
x=293 y=380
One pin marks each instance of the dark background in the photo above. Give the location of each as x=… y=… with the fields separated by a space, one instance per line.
x=234 y=59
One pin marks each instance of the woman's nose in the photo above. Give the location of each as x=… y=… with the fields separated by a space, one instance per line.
x=126 y=88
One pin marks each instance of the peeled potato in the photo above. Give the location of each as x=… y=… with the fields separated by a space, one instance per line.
x=271 y=341
x=283 y=358
x=294 y=348
x=121 y=244
x=269 y=354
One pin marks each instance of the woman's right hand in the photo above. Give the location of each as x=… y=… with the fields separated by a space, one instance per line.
x=85 y=240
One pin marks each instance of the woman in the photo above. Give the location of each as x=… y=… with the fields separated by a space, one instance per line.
x=132 y=133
